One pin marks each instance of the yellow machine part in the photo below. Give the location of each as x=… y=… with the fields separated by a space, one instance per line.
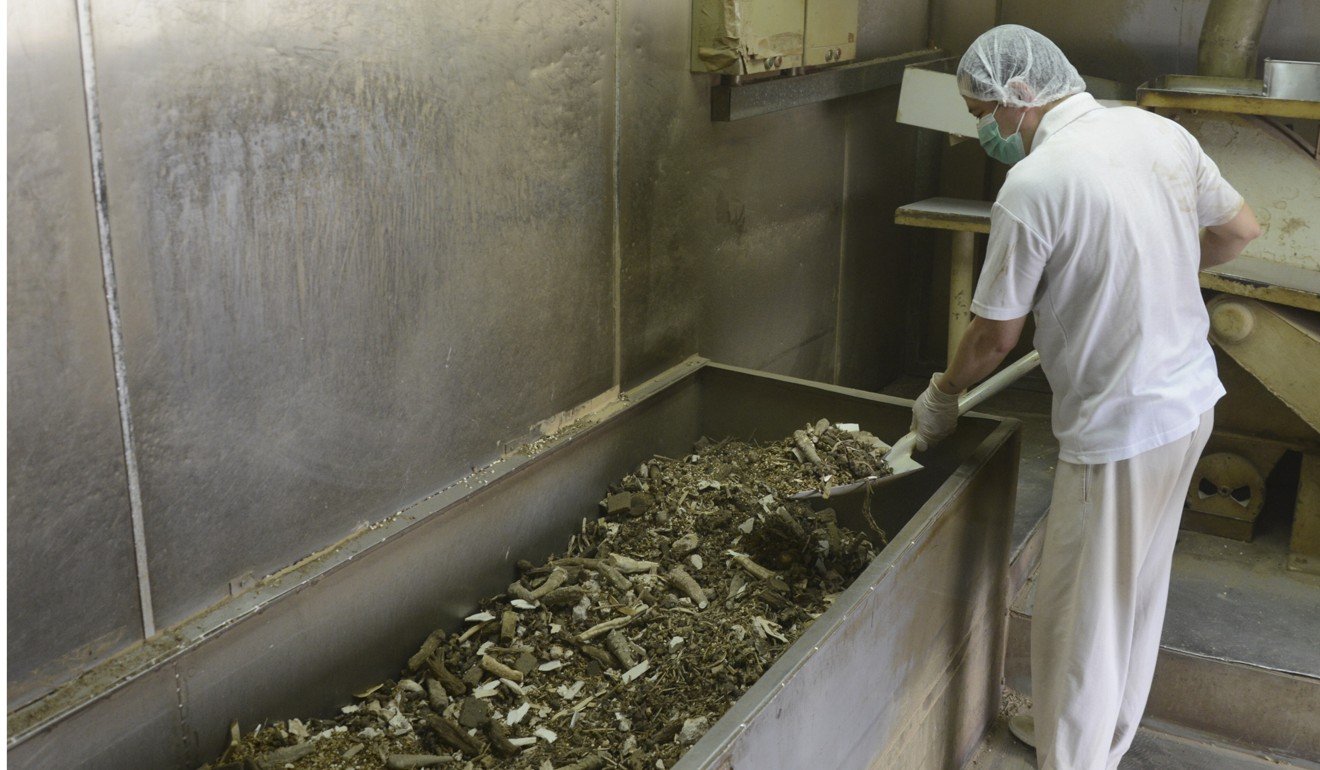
x=1280 y=346
x=1228 y=485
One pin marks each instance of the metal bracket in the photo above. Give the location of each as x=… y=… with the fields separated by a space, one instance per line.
x=735 y=100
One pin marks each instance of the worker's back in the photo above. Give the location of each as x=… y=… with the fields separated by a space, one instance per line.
x=1097 y=232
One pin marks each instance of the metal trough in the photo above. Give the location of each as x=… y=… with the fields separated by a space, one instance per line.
x=902 y=671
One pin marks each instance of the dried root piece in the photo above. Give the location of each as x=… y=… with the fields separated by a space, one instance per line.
x=608 y=626
x=410 y=761
x=618 y=644
x=452 y=734
x=508 y=625
x=685 y=583
x=564 y=597
x=499 y=669
x=452 y=684
x=808 y=449
x=685 y=545
x=786 y=519
x=597 y=654
x=427 y=650
x=281 y=757
x=613 y=575
x=757 y=571
x=593 y=762
x=499 y=740
x=555 y=579
x=436 y=695
x=630 y=565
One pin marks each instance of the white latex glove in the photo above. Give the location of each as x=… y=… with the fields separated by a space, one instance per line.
x=934 y=415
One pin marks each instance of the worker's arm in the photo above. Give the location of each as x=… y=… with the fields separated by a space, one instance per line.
x=983 y=347
x=1221 y=243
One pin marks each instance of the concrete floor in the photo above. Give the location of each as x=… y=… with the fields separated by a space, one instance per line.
x=1152 y=750
x=1236 y=602
x=1229 y=602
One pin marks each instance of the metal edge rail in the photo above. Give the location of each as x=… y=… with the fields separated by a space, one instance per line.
x=731 y=101
x=1150 y=96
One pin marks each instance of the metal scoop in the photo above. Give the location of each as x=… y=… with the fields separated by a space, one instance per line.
x=899 y=455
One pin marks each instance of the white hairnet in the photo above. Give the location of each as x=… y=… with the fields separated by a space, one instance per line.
x=1018 y=67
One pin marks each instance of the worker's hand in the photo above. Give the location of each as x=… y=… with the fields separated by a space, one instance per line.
x=934 y=415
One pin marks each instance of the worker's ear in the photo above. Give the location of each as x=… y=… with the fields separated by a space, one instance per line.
x=1018 y=89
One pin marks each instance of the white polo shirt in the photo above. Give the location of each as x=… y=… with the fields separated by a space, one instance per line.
x=1096 y=232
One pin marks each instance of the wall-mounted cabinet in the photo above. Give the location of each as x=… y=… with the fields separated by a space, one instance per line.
x=831 y=31
x=745 y=37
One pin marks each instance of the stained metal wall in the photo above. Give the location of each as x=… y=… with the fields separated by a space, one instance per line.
x=1135 y=41
x=360 y=244
x=71 y=580
x=743 y=240
x=1131 y=41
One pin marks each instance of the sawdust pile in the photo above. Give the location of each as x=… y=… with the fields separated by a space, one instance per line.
x=699 y=572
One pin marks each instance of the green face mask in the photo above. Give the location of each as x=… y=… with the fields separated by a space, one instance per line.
x=1010 y=150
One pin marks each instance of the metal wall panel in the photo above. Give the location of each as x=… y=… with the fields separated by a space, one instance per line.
x=72 y=581
x=139 y=726
x=770 y=273
x=956 y=23
x=359 y=244
x=880 y=177
x=731 y=233
x=1117 y=39
x=889 y=27
x=878 y=253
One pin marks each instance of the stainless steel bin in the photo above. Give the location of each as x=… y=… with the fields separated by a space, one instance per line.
x=902 y=671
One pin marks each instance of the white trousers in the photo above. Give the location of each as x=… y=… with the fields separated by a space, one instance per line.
x=1100 y=597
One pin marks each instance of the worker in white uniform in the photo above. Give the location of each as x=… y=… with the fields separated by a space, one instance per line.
x=1101 y=226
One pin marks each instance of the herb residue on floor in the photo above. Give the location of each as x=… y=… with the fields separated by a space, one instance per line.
x=621 y=653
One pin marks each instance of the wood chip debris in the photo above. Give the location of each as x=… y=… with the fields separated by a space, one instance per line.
x=623 y=650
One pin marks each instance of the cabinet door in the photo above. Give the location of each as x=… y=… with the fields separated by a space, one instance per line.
x=831 y=31
x=740 y=37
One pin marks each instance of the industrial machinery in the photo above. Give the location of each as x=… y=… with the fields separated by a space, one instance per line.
x=1265 y=305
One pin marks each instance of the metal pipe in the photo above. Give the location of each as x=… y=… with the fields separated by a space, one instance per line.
x=1230 y=38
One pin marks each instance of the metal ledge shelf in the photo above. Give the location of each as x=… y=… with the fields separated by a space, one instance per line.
x=1244 y=97
x=738 y=99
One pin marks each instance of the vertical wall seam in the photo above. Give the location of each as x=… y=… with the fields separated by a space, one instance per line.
x=843 y=248
x=92 y=107
x=186 y=744
x=616 y=158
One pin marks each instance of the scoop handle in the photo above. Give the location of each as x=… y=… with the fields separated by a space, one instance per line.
x=1007 y=376
x=972 y=398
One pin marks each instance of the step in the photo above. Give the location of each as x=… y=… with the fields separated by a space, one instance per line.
x=1239 y=658
x=1153 y=749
